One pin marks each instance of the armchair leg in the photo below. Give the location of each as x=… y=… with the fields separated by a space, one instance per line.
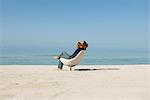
x=70 y=68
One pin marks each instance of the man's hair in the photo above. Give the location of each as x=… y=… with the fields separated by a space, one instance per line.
x=85 y=44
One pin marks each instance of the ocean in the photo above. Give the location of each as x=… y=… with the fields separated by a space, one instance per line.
x=100 y=56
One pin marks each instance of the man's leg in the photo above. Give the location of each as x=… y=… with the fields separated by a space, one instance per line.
x=64 y=55
x=60 y=65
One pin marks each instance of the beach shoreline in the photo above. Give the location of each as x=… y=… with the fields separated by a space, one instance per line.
x=85 y=82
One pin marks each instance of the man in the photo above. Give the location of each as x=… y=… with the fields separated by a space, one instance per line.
x=80 y=46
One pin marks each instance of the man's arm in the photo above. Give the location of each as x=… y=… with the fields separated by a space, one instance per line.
x=79 y=45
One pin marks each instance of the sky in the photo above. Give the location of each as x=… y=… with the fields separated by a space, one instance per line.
x=102 y=23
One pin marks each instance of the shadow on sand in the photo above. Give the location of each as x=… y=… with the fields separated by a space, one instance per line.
x=96 y=69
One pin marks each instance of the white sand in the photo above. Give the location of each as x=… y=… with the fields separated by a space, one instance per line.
x=43 y=82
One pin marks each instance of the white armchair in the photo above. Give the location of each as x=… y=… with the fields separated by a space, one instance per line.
x=73 y=61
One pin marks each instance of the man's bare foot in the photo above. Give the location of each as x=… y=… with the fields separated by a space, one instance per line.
x=56 y=57
x=59 y=69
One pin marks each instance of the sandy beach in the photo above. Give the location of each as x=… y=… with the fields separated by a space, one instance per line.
x=85 y=82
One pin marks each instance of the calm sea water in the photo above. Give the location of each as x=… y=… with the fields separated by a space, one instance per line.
x=92 y=56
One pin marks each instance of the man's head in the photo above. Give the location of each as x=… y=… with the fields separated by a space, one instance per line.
x=85 y=45
x=82 y=45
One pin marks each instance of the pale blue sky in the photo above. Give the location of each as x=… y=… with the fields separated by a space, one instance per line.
x=102 y=23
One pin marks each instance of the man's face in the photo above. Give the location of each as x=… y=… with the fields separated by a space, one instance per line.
x=83 y=46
